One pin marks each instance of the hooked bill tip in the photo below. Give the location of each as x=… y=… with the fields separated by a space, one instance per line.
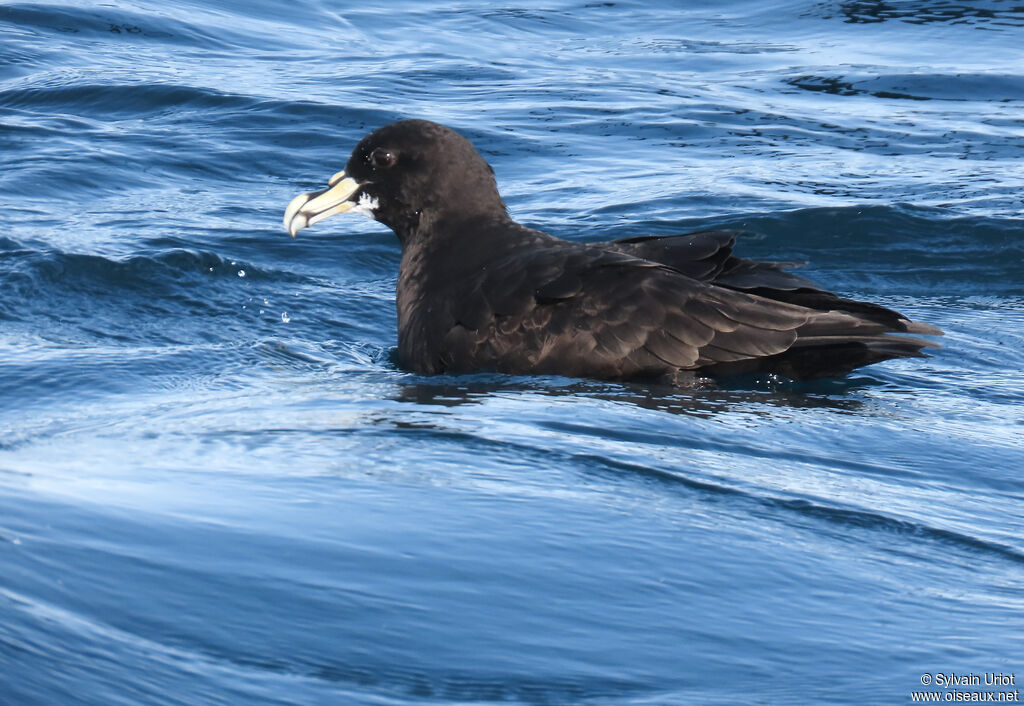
x=294 y=205
x=309 y=208
x=294 y=221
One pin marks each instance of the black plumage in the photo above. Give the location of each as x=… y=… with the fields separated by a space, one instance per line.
x=478 y=291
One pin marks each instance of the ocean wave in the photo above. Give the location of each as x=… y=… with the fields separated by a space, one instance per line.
x=142 y=271
x=113 y=24
x=961 y=86
x=117 y=101
x=992 y=14
x=63 y=288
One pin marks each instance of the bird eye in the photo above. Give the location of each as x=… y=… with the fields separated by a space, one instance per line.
x=382 y=158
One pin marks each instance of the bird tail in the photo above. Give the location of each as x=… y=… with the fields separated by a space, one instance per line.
x=833 y=343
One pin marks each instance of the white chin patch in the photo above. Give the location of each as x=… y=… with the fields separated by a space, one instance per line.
x=366 y=206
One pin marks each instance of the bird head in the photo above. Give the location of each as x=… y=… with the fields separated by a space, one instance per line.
x=406 y=175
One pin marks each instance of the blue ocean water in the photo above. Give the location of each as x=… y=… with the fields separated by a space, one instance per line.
x=217 y=487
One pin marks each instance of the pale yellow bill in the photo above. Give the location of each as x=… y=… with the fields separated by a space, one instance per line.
x=309 y=208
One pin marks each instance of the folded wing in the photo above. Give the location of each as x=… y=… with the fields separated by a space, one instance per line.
x=607 y=312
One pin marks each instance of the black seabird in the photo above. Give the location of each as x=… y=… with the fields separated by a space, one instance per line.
x=478 y=291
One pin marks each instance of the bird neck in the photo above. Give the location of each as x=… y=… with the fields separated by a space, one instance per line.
x=448 y=229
